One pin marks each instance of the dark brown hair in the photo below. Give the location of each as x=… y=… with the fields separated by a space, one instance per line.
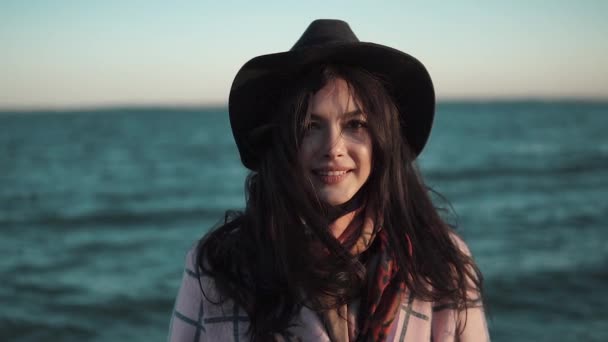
x=263 y=258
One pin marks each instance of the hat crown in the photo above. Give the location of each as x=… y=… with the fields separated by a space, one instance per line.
x=326 y=31
x=259 y=86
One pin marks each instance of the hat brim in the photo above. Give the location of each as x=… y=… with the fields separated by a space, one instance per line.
x=408 y=82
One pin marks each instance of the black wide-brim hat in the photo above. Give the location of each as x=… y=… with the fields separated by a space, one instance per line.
x=328 y=42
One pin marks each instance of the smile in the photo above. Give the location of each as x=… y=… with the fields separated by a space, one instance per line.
x=331 y=176
x=331 y=173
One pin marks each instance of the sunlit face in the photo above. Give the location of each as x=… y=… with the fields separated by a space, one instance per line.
x=336 y=151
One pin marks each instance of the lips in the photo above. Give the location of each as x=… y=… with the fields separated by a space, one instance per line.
x=331 y=176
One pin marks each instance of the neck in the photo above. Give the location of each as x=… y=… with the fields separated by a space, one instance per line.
x=342 y=215
x=339 y=225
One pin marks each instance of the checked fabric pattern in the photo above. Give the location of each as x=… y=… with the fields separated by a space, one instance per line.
x=195 y=318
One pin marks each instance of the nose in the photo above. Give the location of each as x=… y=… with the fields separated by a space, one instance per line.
x=334 y=146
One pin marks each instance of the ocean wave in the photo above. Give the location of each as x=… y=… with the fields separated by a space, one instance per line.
x=510 y=170
x=108 y=319
x=572 y=297
x=115 y=217
x=28 y=329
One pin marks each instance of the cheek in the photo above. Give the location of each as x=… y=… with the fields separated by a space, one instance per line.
x=305 y=154
x=366 y=162
x=364 y=155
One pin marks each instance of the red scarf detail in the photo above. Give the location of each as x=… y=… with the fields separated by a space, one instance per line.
x=384 y=291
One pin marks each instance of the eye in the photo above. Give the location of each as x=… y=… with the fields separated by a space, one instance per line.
x=311 y=125
x=356 y=124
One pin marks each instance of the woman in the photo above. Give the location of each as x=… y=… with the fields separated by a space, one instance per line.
x=339 y=240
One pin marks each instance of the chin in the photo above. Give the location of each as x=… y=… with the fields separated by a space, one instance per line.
x=335 y=199
x=334 y=203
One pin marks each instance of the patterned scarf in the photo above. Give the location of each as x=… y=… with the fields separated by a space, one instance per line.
x=370 y=317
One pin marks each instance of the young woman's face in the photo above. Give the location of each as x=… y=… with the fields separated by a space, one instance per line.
x=336 y=151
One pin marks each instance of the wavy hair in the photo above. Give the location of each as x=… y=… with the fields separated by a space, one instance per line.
x=266 y=257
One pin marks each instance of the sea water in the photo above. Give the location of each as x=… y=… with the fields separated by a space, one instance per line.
x=98 y=208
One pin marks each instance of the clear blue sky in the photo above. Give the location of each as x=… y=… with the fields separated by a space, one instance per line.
x=89 y=53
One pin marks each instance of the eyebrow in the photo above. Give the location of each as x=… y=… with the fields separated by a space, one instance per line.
x=350 y=114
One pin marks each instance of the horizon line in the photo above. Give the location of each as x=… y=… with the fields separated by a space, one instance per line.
x=224 y=106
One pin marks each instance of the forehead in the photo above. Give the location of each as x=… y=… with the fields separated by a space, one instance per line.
x=335 y=98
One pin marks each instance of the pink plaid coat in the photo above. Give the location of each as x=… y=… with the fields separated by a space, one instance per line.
x=195 y=318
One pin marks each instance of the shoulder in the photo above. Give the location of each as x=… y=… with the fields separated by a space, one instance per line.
x=472 y=272
x=463 y=248
x=190 y=263
x=200 y=311
x=459 y=242
x=194 y=272
x=195 y=284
